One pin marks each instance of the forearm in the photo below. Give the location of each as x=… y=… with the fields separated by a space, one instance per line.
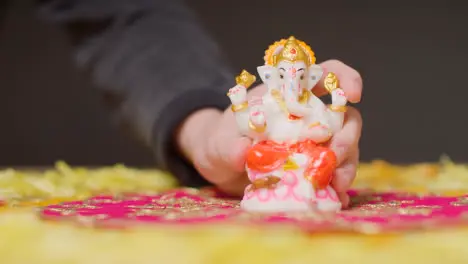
x=151 y=59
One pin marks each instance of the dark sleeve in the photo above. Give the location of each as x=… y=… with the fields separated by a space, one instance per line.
x=152 y=61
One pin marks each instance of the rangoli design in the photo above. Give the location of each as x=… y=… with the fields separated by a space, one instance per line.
x=370 y=212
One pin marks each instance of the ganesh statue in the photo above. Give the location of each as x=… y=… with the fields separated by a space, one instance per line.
x=289 y=165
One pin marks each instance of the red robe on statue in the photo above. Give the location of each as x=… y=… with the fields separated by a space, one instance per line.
x=268 y=156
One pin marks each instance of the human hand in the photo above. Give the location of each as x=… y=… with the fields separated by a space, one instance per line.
x=210 y=139
x=345 y=143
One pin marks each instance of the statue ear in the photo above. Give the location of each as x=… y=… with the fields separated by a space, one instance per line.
x=315 y=73
x=269 y=75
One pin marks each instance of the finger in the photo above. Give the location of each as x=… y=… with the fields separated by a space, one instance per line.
x=257 y=91
x=350 y=80
x=236 y=185
x=344 y=199
x=345 y=174
x=344 y=177
x=238 y=153
x=212 y=163
x=230 y=151
x=348 y=137
x=228 y=164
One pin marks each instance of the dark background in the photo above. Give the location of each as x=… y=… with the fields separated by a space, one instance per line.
x=412 y=58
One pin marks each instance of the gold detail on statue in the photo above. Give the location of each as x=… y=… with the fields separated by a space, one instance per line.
x=290 y=165
x=304 y=97
x=255 y=128
x=331 y=82
x=291 y=50
x=279 y=100
x=245 y=79
x=315 y=124
x=268 y=182
x=240 y=107
x=336 y=108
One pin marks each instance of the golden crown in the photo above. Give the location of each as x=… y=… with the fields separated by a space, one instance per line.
x=291 y=50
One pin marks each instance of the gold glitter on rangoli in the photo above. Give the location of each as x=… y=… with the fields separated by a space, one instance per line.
x=415 y=211
x=371 y=212
x=461 y=201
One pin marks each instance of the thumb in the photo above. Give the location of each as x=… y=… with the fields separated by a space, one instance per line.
x=233 y=152
x=223 y=163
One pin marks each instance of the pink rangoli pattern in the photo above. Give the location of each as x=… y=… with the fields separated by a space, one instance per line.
x=370 y=212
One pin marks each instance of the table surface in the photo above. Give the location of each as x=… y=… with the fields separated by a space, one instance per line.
x=27 y=189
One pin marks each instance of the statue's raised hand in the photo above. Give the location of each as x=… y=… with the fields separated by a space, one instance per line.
x=338 y=97
x=257 y=115
x=237 y=95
